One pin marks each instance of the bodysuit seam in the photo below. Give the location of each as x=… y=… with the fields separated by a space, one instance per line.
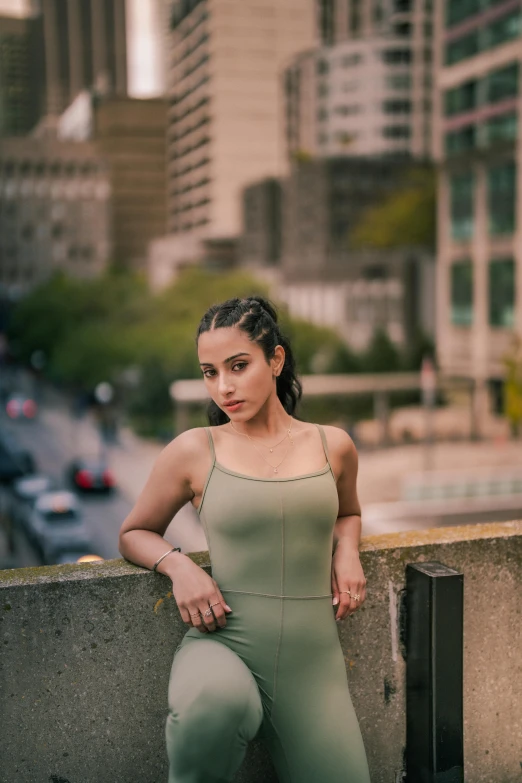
x=278 y=648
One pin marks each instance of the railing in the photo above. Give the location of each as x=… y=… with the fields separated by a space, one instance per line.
x=87 y=651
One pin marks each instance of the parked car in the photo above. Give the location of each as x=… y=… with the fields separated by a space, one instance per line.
x=55 y=523
x=14 y=461
x=90 y=474
x=24 y=494
x=21 y=406
x=72 y=555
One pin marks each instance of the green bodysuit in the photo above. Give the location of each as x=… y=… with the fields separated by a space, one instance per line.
x=276 y=670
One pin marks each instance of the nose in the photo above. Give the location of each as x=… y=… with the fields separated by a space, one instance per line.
x=225 y=384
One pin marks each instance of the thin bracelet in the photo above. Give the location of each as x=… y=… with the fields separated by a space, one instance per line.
x=156 y=564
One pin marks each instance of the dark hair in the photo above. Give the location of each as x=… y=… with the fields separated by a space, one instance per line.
x=257 y=317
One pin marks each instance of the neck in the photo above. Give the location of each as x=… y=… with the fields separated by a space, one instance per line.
x=268 y=427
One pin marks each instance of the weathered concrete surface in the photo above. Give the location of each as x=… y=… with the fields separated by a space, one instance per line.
x=86 y=652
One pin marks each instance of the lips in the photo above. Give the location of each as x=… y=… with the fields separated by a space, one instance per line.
x=232 y=403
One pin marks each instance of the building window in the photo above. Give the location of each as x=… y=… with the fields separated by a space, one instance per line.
x=502 y=198
x=461 y=293
x=502 y=292
x=462 y=188
x=398 y=81
x=396 y=56
x=458 y=10
x=462 y=140
x=507 y=28
x=499 y=129
x=460 y=99
x=396 y=131
x=396 y=107
x=501 y=84
x=322 y=66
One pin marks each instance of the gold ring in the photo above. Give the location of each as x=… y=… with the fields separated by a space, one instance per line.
x=208 y=612
x=216 y=604
x=196 y=614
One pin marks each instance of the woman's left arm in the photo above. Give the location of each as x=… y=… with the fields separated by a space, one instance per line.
x=347 y=573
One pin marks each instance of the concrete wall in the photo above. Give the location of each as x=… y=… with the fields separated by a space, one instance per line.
x=87 y=650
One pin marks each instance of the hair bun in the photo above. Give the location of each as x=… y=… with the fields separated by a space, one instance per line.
x=265 y=305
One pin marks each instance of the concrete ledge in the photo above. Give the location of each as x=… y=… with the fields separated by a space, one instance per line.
x=87 y=650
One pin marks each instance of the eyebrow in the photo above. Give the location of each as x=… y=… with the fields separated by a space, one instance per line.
x=230 y=359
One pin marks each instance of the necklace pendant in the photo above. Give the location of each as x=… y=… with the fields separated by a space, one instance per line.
x=275 y=470
x=271 y=450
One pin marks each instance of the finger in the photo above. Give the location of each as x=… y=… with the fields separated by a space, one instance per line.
x=219 y=611
x=185 y=615
x=344 y=605
x=208 y=617
x=219 y=595
x=335 y=590
x=195 y=617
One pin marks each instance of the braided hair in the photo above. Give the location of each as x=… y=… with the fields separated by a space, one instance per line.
x=257 y=317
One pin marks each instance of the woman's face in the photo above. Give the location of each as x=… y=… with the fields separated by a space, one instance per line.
x=236 y=371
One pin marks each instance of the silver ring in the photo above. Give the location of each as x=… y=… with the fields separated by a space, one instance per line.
x=196 y=614
x=208 y=612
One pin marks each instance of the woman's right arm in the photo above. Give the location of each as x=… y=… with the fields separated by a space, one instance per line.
x=141 y=541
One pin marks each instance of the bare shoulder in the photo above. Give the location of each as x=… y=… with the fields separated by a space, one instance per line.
x=339 y=442
x=186 y=447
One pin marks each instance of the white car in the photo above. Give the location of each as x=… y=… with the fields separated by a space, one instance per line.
x=55 y=524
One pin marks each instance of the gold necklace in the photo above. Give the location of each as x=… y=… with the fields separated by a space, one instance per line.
x=274 y=467
x=270 y=448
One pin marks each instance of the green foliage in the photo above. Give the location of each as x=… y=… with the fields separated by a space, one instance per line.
x=513 y=384
x=93 y=331
x=382 y=355
x=407 y=218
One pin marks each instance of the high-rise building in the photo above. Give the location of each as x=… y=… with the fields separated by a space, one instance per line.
x=85 y=47
x=477 y=121
x=374 y=73
x=21 y=57
x=354 y=98
x=54 y=211
x=226 y=125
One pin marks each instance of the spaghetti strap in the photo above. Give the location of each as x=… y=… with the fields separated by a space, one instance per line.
x=325 y=445
x=211 y=445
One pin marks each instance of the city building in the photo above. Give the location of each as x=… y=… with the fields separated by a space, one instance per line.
x=403 y=65
x=129 y=134
x=225 y=123
x=21 y=58
x=260 y=244
x=85 y=47
x=355 y=98
x=297 y=237
x=478 y=147
x=54 y=211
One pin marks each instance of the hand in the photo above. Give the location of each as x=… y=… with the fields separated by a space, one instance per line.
x=347 y=574
x=194 y=591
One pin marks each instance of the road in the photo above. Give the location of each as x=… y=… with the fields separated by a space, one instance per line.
x=103 y=514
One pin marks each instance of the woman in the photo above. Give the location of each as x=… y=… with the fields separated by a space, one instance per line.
x=262 y=655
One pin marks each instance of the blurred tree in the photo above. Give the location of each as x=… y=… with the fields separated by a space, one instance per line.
x=381 y=355
x=407 y=218
x=513 y=386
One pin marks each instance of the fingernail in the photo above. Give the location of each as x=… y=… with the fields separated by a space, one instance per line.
x=228 y=607
x=338 y=620
x=335 y=600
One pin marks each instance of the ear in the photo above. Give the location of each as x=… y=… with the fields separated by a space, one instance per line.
x=278 y=360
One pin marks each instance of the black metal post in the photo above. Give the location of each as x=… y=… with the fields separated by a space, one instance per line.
x=434 y=672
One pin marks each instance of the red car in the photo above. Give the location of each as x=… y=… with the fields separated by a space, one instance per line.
x=90 y=474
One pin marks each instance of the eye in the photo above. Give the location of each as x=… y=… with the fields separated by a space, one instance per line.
x=205 y=373
x=240 y=365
